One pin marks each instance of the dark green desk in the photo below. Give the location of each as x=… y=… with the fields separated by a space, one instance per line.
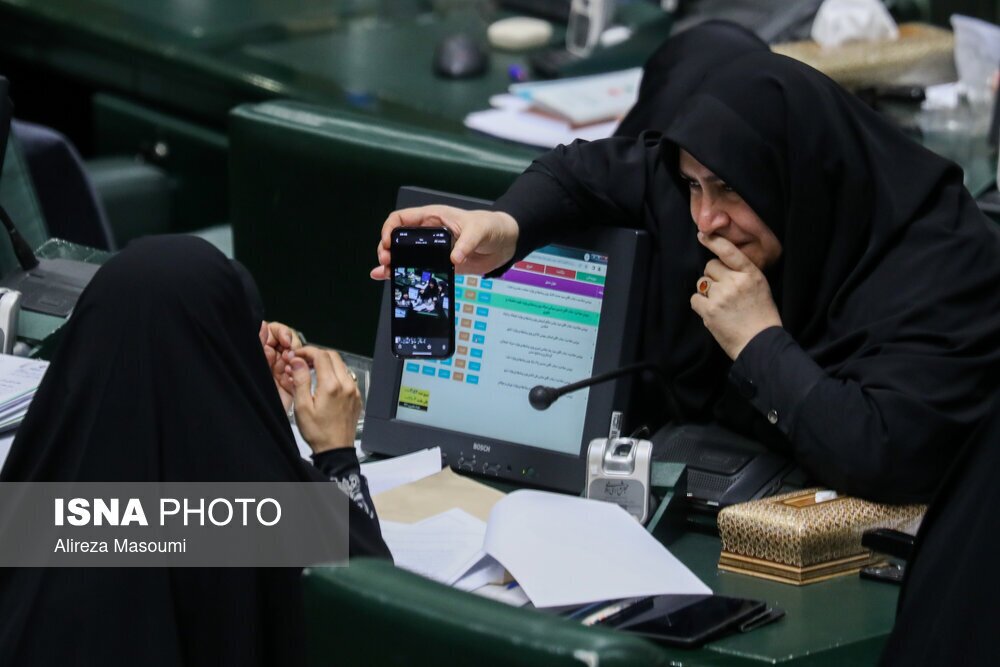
x=843 y=621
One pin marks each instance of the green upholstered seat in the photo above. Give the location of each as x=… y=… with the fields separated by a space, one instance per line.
x=420 y=622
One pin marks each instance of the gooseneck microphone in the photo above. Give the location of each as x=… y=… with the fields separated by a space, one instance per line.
x=541 y=397
x=25 y=257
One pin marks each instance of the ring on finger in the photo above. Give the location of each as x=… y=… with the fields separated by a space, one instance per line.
x=704 y=285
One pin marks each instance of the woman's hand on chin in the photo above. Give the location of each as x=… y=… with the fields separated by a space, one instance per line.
x=733 y=298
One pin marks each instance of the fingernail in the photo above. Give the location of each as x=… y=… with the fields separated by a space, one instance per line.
x=457 y=256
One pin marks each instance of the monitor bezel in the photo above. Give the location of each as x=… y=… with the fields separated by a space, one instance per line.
x=616 y=346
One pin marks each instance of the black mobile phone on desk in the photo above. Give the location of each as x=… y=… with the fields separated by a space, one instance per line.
x=423 y=293
x=685 y=620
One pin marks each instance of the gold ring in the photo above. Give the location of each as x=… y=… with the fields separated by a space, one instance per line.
x=704 y=285
x=353 y=376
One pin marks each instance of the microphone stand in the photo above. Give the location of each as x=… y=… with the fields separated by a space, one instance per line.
x=541 y=397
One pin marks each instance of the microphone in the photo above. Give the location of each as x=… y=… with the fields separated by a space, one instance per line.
x=541 y=397
x=25 y=257
x=49 y=286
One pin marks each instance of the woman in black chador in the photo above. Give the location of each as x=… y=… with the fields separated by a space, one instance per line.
x=833 y=290
x=161 y=376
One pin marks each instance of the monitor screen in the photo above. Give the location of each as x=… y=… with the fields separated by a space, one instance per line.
x=566 y=312
x=536 y=325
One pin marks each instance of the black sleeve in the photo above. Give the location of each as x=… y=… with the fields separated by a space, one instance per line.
x=877 y=442
x=581 y=185
x=341 y=467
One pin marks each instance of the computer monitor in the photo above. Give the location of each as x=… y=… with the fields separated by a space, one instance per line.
x=568 y=311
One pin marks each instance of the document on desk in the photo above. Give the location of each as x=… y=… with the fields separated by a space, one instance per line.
x=19 y=379
x=565 y=550
x=388 y=474
x=433 y=495
x=444 y=547
x=527 y=127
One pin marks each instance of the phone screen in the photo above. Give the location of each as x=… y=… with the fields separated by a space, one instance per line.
x=423 y=293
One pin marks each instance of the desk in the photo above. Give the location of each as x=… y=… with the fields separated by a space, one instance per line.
x=843 y=621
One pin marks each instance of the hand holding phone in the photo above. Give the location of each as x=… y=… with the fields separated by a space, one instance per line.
x=423 y=293
x=484 y=240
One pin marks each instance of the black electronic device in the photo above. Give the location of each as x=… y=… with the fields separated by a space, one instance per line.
x=724 y=467
x=897 y=546
x=554 y=10
x=567 y=311
x=423 y=293
x=551 y=63
x=49 y=286
x=460 y=57
x=687 y=620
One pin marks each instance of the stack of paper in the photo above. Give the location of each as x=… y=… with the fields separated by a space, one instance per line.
x=444 y=547
x=19 y=379
x=562 y=551
x=584 y=100
x=568 y=551
x=549 y=113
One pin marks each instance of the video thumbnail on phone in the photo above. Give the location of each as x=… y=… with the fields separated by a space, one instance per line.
x=420 y=294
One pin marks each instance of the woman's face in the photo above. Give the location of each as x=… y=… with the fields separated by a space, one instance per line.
x=717 y=209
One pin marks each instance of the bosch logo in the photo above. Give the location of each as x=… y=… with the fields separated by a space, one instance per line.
x=480 y=447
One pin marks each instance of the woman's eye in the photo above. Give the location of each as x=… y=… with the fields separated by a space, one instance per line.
x=726 y=188
x=693 y=185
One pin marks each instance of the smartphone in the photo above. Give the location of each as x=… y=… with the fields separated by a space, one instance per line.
x=423 y=293
x=685 y=620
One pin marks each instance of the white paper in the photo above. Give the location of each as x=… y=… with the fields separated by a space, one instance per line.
x=590 y=99
x=534 y=129
x=508 y=594
x=442 y=547
x=19 y=375
x=19 y=379
x=564 y=550
x=390 y=473
x=485 y=572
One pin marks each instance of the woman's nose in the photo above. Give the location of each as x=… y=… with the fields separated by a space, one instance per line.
x=710 y=218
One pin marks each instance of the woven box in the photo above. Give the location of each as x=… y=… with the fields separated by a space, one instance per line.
x=794 y=539
x=922 y=54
